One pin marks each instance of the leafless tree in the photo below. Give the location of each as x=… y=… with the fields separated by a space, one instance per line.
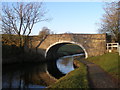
x=43 y=35
x=110 y=21
x=19 y=18
x=44 y=32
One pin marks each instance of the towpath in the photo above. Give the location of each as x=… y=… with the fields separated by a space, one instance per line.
x=97 y=77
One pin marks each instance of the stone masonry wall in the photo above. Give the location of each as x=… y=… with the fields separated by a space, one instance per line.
x=94 y=44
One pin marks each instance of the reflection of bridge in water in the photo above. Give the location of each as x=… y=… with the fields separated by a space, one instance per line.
x=92 y=44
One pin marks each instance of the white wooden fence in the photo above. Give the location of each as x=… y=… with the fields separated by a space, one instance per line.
x=113 y=47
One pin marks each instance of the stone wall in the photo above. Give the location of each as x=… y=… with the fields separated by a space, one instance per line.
x=94 y=44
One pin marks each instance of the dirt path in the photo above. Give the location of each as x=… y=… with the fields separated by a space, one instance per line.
x=98 y=78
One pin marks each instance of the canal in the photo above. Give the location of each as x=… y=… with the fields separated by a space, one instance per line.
x=36 y=75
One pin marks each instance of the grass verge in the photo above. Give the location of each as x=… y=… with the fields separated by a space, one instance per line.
x=75 y=79
x=109 y=62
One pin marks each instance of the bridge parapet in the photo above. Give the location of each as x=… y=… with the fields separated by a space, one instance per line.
x=94 y=44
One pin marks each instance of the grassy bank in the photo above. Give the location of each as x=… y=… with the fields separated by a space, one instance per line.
x=74 y=79
x=109 y=62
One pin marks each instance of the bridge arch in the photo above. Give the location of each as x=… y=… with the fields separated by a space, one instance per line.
x=66 y=42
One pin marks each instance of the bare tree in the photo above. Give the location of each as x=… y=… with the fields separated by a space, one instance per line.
x=110 y=21
x=43 y=35
x=19 y=19
x=44 y=32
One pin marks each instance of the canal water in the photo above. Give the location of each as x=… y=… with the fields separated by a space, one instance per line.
x=36 y=75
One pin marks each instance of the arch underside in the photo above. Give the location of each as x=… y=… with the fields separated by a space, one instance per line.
x=51 y=51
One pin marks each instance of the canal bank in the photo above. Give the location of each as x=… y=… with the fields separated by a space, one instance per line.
x=94 y=75
x=78 y=78
x=34 y=75
x=74 y=79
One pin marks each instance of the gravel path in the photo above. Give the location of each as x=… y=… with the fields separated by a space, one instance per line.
x=97 y=77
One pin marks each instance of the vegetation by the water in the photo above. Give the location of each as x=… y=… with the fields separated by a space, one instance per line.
x=109 y=62
x=74 y=79
x=13 y=53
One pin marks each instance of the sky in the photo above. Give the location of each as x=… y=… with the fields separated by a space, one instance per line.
x=72 y=17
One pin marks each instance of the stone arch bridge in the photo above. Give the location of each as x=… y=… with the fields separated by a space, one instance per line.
x=92 y=44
